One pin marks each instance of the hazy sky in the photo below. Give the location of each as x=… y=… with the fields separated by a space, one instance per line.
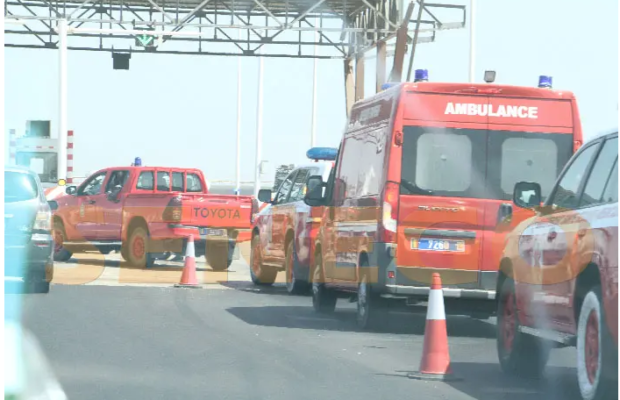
x=181 y=110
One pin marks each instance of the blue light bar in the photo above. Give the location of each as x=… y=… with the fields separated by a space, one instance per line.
x=137 y=162
x=388 y=85
x=545 y=81
x=421 y=75
x=322 y=153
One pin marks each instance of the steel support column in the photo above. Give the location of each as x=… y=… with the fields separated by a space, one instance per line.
x=349 y=85
x=381 y=61
x=61 y=170
x=359 y=77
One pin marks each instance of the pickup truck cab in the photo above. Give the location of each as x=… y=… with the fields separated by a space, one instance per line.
x=284 y=231
x=559 y=273
x=148 y=213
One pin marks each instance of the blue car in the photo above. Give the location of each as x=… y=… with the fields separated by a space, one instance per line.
x=28 y=241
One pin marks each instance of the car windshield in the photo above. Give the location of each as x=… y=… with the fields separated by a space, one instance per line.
x=479 y=163
x=19 y=186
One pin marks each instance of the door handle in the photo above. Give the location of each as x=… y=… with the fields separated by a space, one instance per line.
x=581 y=233
x=551 y=236
x=505 y=211
x=91 y=201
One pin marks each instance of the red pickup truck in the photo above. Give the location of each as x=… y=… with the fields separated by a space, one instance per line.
x=148 y=213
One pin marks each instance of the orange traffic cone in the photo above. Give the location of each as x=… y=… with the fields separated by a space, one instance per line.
x=188 y=278
x=435 y=364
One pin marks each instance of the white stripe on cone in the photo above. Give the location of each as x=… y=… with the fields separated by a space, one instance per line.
x=435 y=309
x=189 y=250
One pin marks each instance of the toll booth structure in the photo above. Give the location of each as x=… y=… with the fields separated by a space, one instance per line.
x=39 y=152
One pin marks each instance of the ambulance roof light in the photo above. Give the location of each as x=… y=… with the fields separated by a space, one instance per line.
x=421 y=75
x=545 y=81
x=137 y=162
x=322 y=153
x=388 y=85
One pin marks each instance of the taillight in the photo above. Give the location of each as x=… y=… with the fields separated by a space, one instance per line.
x=254 y=210
x=576 y=145
x=389 y=217
x=43 y=220
x=174 y=210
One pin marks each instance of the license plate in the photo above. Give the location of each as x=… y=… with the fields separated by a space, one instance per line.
x=457 y=246
x=212 y=232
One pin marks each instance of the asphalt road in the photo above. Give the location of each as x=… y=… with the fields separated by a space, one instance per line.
x=149 y=340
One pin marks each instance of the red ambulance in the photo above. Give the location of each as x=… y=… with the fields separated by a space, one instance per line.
x=423 y=183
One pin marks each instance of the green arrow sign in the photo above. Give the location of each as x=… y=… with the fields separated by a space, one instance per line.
x=145 y=40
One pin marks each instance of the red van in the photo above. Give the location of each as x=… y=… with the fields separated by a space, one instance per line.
x=423 y=183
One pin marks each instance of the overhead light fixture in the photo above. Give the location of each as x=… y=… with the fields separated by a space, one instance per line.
x=120 y=60
x=489 y=76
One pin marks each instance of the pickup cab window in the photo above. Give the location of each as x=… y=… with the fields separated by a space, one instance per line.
x=177 y=182
x=194 y=185
x=92 y=186
x=145 y=181
x=117 y=178
x=163 y=181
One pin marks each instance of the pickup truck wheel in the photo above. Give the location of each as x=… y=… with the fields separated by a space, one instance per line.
x=519 y=353
x=261 y=275
x=219 y=255
x=137 y=251
x=595 y=350
x=59 y=235
x=323 y=299
x=293 y=285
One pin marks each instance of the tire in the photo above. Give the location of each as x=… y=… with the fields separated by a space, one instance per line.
x=371 y=310
x=597 y=360
x=137 y=248
x=519 y=354
x=41 y=287
x=293 y=285
x=60 y=253
x=261 y=275
x=323 y=299
x=125 y=253
x=105 y=250
x=219 y=255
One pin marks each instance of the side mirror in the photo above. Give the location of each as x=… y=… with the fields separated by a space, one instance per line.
x=113 y=194
x=264 y=195
x=53 y=204
x=71 y=190
x=527 y=195
x=314 y=194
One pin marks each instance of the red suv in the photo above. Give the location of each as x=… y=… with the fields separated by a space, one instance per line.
x=559 y=273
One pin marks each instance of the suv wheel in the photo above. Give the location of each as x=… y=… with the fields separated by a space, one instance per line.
x=293 y=285
x=260 y=274
x=323 y=299
x=595 y=352
x=519 y=353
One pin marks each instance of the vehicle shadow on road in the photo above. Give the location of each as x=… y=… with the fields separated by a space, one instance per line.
x=344 y=320
x=558 y=383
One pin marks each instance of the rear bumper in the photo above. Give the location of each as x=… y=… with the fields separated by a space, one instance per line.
x=163 y=231
x=30 y=262
x=401 y=281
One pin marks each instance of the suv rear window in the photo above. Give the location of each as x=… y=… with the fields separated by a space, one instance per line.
x=19 y=186
x=478 y=163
